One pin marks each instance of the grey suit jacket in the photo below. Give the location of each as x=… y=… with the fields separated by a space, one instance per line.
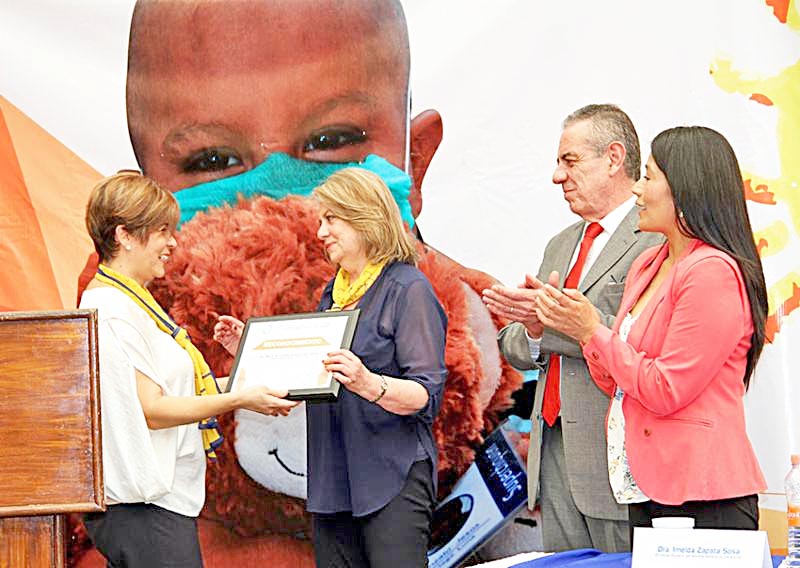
x=583 y=405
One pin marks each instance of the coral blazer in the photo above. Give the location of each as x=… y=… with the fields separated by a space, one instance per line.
x=681 y=370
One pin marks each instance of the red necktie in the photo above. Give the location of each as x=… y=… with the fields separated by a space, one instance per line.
x=551 y=403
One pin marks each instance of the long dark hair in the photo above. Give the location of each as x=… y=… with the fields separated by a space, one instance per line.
x=708 y=191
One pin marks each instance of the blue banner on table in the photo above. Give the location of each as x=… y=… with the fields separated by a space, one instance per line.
x=488 y=495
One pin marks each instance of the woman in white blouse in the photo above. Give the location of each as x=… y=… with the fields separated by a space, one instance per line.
x=157 y=432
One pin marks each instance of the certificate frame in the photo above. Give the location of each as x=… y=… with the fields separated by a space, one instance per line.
x=279 y=351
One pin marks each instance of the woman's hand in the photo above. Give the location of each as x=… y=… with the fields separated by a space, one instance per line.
x=567 y=311
x=261 y=399
x=348 y=369
x=266 y=401
x=228 y=332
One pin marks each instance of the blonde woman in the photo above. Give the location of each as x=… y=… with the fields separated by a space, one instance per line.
x=371 y=454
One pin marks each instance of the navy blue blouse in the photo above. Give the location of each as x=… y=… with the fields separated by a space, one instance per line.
x=359 y=454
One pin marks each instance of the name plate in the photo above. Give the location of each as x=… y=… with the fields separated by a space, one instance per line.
x=704 y=548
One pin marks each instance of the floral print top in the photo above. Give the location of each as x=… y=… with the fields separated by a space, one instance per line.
x=619 y=473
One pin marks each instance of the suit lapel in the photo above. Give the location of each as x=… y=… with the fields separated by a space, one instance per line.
x=623 y=239
x=562 y=254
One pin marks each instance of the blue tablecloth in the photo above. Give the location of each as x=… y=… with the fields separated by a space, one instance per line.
x=590 y=558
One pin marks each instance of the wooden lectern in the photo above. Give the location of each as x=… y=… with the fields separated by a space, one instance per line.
x=50 y=456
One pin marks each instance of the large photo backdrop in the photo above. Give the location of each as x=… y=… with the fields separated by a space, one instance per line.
x=500 y=77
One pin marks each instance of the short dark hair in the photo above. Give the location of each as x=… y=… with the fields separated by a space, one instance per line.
x=611 y=124
x=707 y=188
x=130 y=199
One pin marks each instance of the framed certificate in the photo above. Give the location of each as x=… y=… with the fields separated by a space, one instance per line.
x=286 y=353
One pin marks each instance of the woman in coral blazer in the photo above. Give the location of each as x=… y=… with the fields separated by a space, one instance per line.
x=681 y=352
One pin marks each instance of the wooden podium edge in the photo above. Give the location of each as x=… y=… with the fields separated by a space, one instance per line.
x=98 y=504
x=96 y=409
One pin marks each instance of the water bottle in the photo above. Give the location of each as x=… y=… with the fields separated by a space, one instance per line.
x=792 y=484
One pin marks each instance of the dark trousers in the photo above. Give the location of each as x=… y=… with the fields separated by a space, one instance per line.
x=396 y=535
x=737 y=513
x=134 y=535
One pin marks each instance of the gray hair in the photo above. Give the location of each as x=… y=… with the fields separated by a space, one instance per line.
x=610 y=124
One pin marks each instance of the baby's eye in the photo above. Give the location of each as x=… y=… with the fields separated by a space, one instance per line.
x=333 y=138
x=211 y=160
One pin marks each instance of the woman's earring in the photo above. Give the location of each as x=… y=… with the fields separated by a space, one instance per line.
x=128 y=247
x=680 y=214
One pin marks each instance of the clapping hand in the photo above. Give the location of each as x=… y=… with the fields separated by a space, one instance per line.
x=519 y=304
x=567 y=311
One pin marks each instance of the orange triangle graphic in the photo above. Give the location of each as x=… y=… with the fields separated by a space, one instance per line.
x=43 y=192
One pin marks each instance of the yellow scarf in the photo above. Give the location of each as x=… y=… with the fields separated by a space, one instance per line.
x=204 y=381
x=345 y=293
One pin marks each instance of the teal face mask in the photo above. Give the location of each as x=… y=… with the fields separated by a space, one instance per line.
x=281 y=175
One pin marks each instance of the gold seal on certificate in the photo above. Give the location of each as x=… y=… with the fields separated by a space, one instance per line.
x=286 y=353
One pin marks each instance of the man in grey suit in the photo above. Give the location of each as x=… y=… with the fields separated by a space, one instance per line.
x=598 y=164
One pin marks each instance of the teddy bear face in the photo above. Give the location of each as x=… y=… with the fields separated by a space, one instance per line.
x=272 y=450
